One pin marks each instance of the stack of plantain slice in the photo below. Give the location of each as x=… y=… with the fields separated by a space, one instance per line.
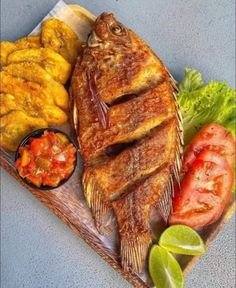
x=34 y=70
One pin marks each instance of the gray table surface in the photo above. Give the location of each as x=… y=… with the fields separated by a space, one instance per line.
x=37 y=249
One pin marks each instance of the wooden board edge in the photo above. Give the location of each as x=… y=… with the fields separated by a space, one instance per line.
x=131 y=278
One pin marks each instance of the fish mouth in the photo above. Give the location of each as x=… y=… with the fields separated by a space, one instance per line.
x=93 y=40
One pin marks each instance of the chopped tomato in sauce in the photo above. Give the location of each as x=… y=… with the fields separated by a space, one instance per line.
x=47 y=160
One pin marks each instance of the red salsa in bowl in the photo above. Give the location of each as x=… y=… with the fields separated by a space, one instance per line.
x=46 y=158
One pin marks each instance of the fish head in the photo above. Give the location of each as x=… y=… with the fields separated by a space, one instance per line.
x=108 y=32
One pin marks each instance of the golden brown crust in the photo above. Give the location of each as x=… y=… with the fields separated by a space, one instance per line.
x=115 y=175
x=128 y=121
x=133 y=218
x=120 y=65
x=116 y=63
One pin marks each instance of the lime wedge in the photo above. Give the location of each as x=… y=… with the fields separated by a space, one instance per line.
x=182 y=239
x=164 y=269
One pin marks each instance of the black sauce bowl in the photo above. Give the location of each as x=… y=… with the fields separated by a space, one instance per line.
x=36 y=134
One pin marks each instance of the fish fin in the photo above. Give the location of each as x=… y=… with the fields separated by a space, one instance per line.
x=176 y=168
x=132 y=215
x=173 y=81
x=165 y=203
x=100 y=208
x=178 y=113
x=100 y=106
x=180 y=136
x=134 y=251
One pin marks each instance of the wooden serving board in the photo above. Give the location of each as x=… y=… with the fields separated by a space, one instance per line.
x=68 y=203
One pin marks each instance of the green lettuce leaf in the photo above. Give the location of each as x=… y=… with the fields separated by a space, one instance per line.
x=202 y=104
x=192 y=80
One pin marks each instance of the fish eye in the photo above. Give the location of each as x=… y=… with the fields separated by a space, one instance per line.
x=117 y=30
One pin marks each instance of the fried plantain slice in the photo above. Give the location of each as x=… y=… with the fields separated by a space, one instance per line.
x=53 y=114
x=58 y=36
x=32 y=98
x=48 y=59
x=6 y=47
x=15 y=125
x=35 y=73
x=8 y=103
x=26 y=93
x=29 y=42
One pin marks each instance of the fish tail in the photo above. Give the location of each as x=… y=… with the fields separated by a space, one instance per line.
x=100 y=208
x=132 y=215
x=134 y=251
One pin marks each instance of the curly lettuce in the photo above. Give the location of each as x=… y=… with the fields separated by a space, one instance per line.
x=202 y=103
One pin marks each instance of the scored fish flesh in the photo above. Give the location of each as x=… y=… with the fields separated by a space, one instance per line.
x=129 y=131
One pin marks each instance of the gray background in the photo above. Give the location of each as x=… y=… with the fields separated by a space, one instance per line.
x=37 y=249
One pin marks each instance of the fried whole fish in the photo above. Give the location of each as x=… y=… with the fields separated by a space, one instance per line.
x=129 y=132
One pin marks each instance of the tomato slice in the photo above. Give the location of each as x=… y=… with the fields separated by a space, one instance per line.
x=205 y=191
x=212 y=137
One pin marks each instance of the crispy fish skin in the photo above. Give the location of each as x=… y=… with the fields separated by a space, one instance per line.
x=48 y=59
x=7 y=47
x=114 y=65
x=136 y=117
x=35 y=73
x=58 y=36
x=107 y=181
x=123 y=64
x=133 y=218
x=115 y=175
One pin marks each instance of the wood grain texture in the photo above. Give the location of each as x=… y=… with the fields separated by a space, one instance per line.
x=68 y=203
